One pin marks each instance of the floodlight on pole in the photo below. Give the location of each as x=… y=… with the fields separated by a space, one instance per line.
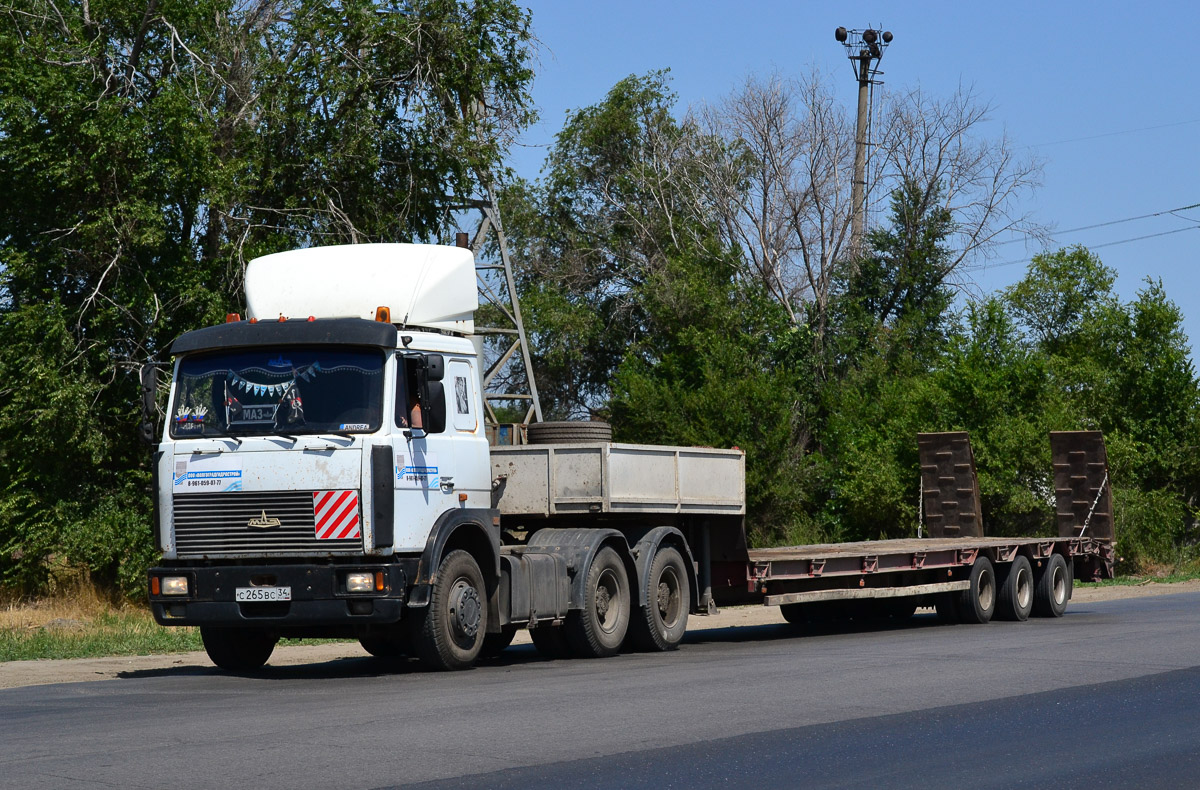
x=865 y=49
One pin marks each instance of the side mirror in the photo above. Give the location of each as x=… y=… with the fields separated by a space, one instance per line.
x=435 y=367
x=149 y=380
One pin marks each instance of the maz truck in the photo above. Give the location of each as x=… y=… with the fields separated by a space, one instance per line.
x=324 y=471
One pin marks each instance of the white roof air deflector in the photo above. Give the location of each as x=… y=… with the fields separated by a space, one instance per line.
x=424 y=285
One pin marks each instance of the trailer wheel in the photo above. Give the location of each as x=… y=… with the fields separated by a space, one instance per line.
x=495 y=644
x=550 y=641
x=977 y=603
x=1053 y=588
x=598 y=629
x=451 y=630
x=1016 y=591
x=238 y=649
x=661 y=623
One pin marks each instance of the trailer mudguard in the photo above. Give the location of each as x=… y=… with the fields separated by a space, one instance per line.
x=646 y=543
x=475 y=529
x=579 y=547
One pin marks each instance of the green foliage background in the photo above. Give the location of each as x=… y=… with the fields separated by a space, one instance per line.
x=149 y=149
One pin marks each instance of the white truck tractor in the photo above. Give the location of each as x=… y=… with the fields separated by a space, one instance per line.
x=324 y=471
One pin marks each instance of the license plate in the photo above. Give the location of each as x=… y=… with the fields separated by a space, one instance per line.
x=263 y=594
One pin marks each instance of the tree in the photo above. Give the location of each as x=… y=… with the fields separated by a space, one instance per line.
x=779 y=182
x=156 y=146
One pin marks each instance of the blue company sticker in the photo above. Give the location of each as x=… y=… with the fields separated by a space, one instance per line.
x=217 y=479
x=421 y=473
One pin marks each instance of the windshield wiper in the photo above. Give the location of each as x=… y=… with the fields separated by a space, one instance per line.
x=204 y=433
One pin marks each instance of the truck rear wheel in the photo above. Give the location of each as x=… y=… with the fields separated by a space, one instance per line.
x=450 y=634
x=1016 y=591
x=1052 y=589
x=238 y=649
x=598 y=629
x=662 y=622
x=977 y=603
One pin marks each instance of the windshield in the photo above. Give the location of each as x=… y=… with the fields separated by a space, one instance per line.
x=294 y=391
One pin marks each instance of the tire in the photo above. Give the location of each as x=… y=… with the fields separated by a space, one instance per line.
x=977 y=603
x=495 y=644
x=662 y=622
x=550 y=641
x=1052 y=588
x=1015 y=600
x=383 y=645
x=238 y=649
x=598 y=629
x=569 y=432
x=453 y=626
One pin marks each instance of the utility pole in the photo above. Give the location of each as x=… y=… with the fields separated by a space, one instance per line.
x=865 y=49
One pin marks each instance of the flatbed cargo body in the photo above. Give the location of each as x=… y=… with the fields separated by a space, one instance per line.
x=898 y=567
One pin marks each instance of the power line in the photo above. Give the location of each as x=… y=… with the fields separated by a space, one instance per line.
x=1100 y=246
x=1113 y=222
x=1114 y=134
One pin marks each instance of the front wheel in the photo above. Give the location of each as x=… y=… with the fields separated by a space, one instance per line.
x=598 y=629
x=661 y=623
x=238 y=649
x=451 y=631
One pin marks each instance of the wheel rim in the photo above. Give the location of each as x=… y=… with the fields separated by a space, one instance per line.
x=608 y=601
x=670 y=598
x=1060 y=585
x=1024 y=588
x=464 y=612
x=987 y=591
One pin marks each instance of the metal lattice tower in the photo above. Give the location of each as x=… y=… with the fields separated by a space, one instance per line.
x=497 y=287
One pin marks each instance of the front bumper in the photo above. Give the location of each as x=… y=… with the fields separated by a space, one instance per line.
x=318 y=596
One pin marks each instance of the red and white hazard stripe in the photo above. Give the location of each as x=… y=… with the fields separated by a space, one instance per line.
x=336 y=514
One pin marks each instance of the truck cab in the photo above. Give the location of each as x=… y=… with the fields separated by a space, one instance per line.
x=320 y=454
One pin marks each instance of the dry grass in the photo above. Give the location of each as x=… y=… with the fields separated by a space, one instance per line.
x=82 y=622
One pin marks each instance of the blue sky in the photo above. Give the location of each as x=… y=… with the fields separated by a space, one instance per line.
x=1103 y=92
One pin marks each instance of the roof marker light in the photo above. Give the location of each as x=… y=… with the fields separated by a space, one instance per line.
x=383 y=314
x=231 y=318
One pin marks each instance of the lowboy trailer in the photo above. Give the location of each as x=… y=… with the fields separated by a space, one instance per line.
x=325 y=472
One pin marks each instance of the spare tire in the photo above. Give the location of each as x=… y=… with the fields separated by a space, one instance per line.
x=569 y=432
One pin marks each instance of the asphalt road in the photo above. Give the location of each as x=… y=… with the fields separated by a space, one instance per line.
x=1108 y=696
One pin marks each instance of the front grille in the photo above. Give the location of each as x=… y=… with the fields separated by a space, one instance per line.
x=209 y=524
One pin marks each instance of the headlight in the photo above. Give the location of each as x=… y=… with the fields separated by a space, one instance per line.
x=360 y=582
x=174 y=585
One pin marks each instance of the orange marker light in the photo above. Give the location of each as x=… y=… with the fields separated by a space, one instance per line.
x=231 y=318
x=154 y=586
x=383 y=314
x=378 y=581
